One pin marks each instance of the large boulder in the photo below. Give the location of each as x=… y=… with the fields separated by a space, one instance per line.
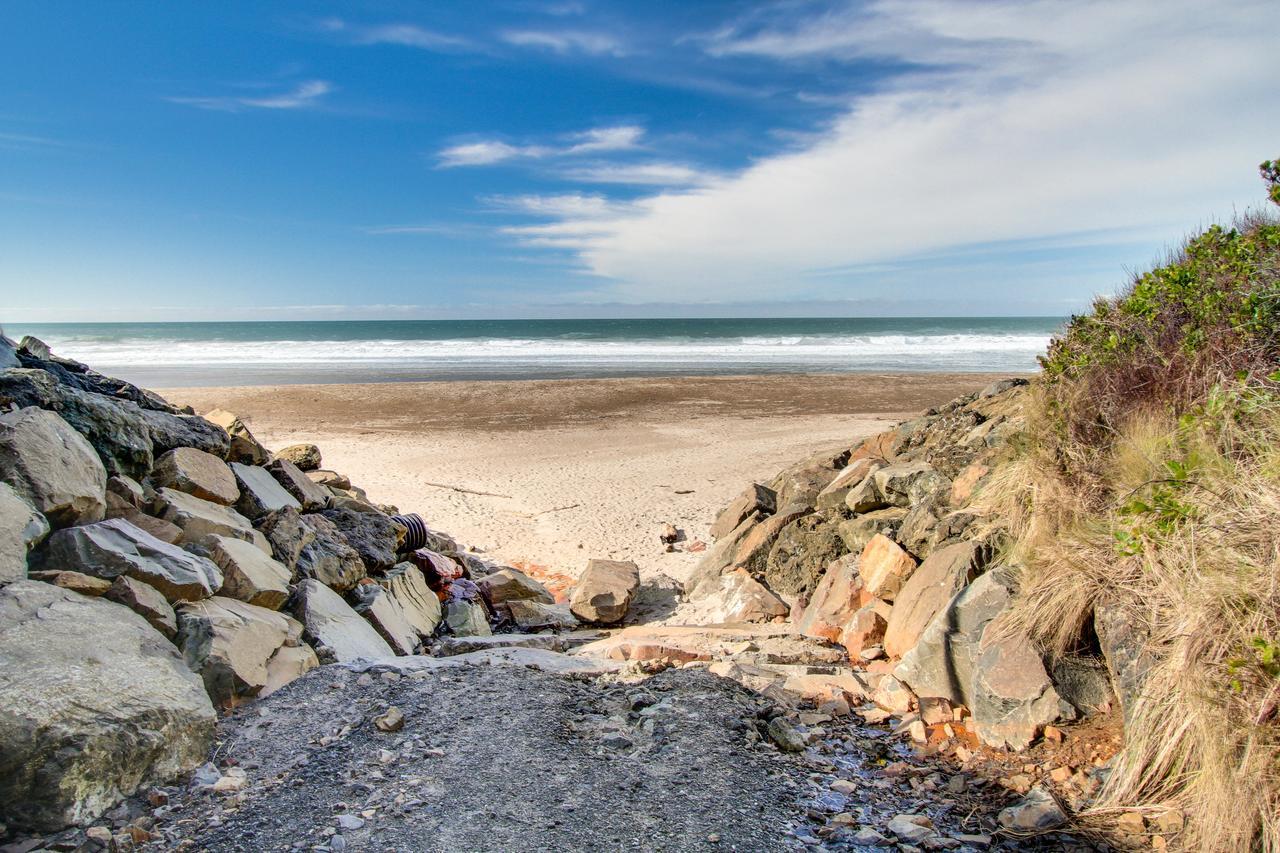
x=420 y=606
x=800 y=485
x=373 y=535
x=740 y=598
x=305 y=456
x=756 y=498
x=510 y=585
x=884 y=567
x=337 y=632
x=387 y=617
x=1125 y=640
x=801 y=552
x=834 y=602
x=115 y=547
x=22 y=527
x=1013 y=696
x=169 y=431
x=928 y=591
x=705 y=578
x=312 y=496
x=260 y=493
x=114 y=427
x=52 y=466
x=834 y=495
x=248 y=574
x=196 y=473
x=286 y=534
x=96 y=704
x=604 y=591
x=243 y=447
x=145 y=600
x=908 y=483
x=199 y=518
x=232 y=644
x=856 y=532
x=327 y=557
x=539 y=616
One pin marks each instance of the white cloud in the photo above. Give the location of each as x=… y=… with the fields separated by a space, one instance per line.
x=567 y=42
x=405 y=35
x=489 y=152
x=641 y=174
x=305 y=94
x=1028 y=121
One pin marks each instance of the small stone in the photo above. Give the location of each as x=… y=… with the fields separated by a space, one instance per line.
x=1169 y=823
x=1060 y=774
x=1038 y=811
x=844 y=786
x=232 y=781
x=1052 y=734
x=713 y=838
x=392 y=720
x=957 y=784
x=912 y=828
x=350 y=821
x=100 y=834
x=867 y=837
x=785 y=736
x=1131 y=823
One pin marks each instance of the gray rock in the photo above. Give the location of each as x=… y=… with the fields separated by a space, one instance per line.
x=865 y=497
x=784 y=735
x=420 y=606
x=231 y=644
x=52 y=467
x=196 y=473
x=170 y=431
x=908 y=483
x=911 y=828
x=756 y=498
x=1013 y=698
x=1039 y=811
x=96 y=705
x=537 y=615
x=856 y=532
x=115 y=547
x=466 y=619
x=327 y=557
x=801 y=484
x=200 y=518
x=311 y=495
x=243 y=447
x=115 y=428
x=1125 y=641
x=8 y=353
x=337 y=631
x=604 y=591
x=836 y=494
x=22 y=527
x=1084 y=682
x=248 y=574
x=928 y=591
x=305 y=456
x=329 y=479
x=286 y=534
x=508 y=585
x=801 y=553
x=129 y=490
x=145 y=600
x=373 y=535
x=260 y=494
x=387 y=617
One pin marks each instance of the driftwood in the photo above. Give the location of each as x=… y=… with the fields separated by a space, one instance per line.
x=466 y=491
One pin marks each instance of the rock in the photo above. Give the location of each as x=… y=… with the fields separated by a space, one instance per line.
x=865 y=631
x=800 y=485
x=865 y=496
x=756 y=498
x=1013 y=698
x=406 y=584
x=311 y=495
x=231 y=644
x=741 y=598
x=908 y=483
x=127 y=489
x=336 y=630
x=966 y=482
x=286 y=535
x=373 y=535
x=248 y=574
x=52 y=467
x=8 y=353
x=387 y=617
x=802 y=551
x=74 y=581
x=115 y=428
x=1038 y=811
x=145 y=600
x=196 y=473
x=260 y=494
x=1131 y=823
x=537 y=615
x=96 y=704
x=856 y=532
x=169 y=431
x=1084 y=682
x=327 y=557
x=391 y=720
x=784 y=735
x=199 y=518
x=22 y=527
x=508 y=585
x=834 y=495
x=1124 y=639
x=466 y=619
x=329 y=479
x=884 y=567
x=243 y=447
x=657 y=598
x=834 y=602
x=287 y=664
x=305 y=456
x=604 y=591
x=929 y=589
x=115 y=547
x=755 y=546
x=912 y=828
x=892 y=695
x=705 y=578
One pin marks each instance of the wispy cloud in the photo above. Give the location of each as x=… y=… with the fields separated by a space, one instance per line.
x=303 y=95
x=567 y=42
x=27 y=142
x=593 y=141
x=641 y=174
x=404 y=35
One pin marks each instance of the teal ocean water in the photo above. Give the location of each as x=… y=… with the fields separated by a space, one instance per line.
x=162 y=354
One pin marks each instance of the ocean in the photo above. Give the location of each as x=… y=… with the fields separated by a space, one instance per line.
x=178 y=354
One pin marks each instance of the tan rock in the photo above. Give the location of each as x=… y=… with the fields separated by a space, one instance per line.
x=199 y=518
x=536 y=615
x=52 y=467
x=966 y=482
x=741 y=598
x=305 y=456
x=865 y=629
x=884 y=567
x=196 y=473
x=929 y=589
x=74 y=581
x=248 y=574
x=835 y=600
x=892 y=695
x=287 y=664
x=406 y=583
x=146 y=601
x=244 y=447
x=512 y=584
x=311 y=495
x=833 y=496
x=604 y=591
x=22 y=527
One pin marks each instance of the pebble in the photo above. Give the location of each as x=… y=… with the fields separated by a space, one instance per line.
x=392 y=720
x=350 y=821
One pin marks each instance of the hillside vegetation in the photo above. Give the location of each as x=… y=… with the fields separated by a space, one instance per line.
x=1149 y=488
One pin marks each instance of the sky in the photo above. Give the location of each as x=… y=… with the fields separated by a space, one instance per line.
x=573 y=158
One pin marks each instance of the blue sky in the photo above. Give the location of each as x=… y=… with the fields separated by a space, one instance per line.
x=164 y=161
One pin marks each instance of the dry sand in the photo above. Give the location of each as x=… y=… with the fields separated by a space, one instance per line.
x=554 y=472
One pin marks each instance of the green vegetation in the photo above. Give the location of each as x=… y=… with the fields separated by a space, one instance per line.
x=1151 y=481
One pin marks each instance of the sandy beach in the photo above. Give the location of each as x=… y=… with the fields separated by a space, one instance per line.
x=551 y=473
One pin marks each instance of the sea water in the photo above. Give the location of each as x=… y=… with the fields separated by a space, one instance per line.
x=161 y=354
